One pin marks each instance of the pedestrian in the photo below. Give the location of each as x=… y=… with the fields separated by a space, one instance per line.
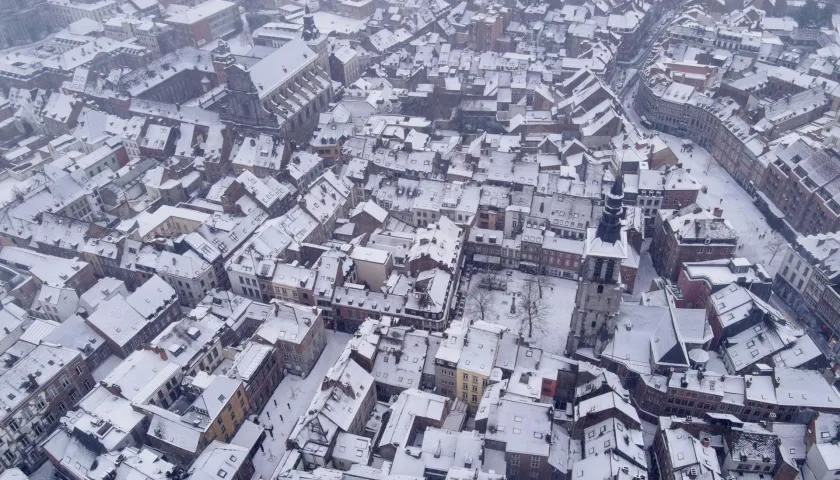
x=288 y=405
x=281 y=418
x=267 y=414
x=275 y=402
x=721 y=200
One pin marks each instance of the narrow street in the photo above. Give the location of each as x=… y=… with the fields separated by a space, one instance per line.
x=290 y=401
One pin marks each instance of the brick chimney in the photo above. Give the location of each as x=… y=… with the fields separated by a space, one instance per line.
x=160 y=351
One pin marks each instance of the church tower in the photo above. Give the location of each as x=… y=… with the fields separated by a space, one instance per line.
x=310 y=31
x=222 y=59
x=599 y=286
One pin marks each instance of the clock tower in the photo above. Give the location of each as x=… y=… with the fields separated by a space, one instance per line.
x=599 y=286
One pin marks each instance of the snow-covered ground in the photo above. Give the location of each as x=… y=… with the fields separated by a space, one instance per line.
x=646 y=272
x=649 y=433
x=7 y=186
x=292 y=398
x=738 y=207
x=559 y=297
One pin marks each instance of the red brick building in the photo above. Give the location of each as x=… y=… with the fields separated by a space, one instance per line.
x=699 y=280
x=798 y=183
x=689 y=235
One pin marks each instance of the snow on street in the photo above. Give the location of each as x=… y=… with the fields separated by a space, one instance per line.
x=292 y=399
x=559 y=296
x=724 y=192
x=645 y=275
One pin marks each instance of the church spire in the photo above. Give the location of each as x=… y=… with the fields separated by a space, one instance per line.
x=609 y=230
x=310 y=31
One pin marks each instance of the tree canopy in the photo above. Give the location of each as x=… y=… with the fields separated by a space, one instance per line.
x=812 y=15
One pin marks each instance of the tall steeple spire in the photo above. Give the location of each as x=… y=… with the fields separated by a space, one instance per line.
x=609 y=230
x=310 y=31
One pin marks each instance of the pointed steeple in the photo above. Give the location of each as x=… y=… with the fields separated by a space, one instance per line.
x=609 y=230
x=310 y=31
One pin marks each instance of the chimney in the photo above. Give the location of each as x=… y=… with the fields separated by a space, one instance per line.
x=33 y=382
x=718 y=212
x=162 y=353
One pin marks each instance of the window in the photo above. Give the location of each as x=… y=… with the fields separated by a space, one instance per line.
x=14 y=426
x=65 y=382
x=79 y=370
x=474 y=398
x=9 y=456
x=40 y=404
x=466 y=377
x=535 y=462
x=37 y=429
x=514 y=459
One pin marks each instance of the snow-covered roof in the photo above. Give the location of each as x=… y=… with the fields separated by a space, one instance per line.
x=140 y=375
x=605 y=402
x=247 y=362
x=43 y=363
x=411 y=406
x=200 y=12
x=284 y=63
x=283 y=321
x=219 y=460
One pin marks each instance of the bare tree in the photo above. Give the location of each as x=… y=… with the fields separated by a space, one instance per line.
x=542 y=282
x=480 y=301
x=532 y=309
x=774 y=246
x=19 y=193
